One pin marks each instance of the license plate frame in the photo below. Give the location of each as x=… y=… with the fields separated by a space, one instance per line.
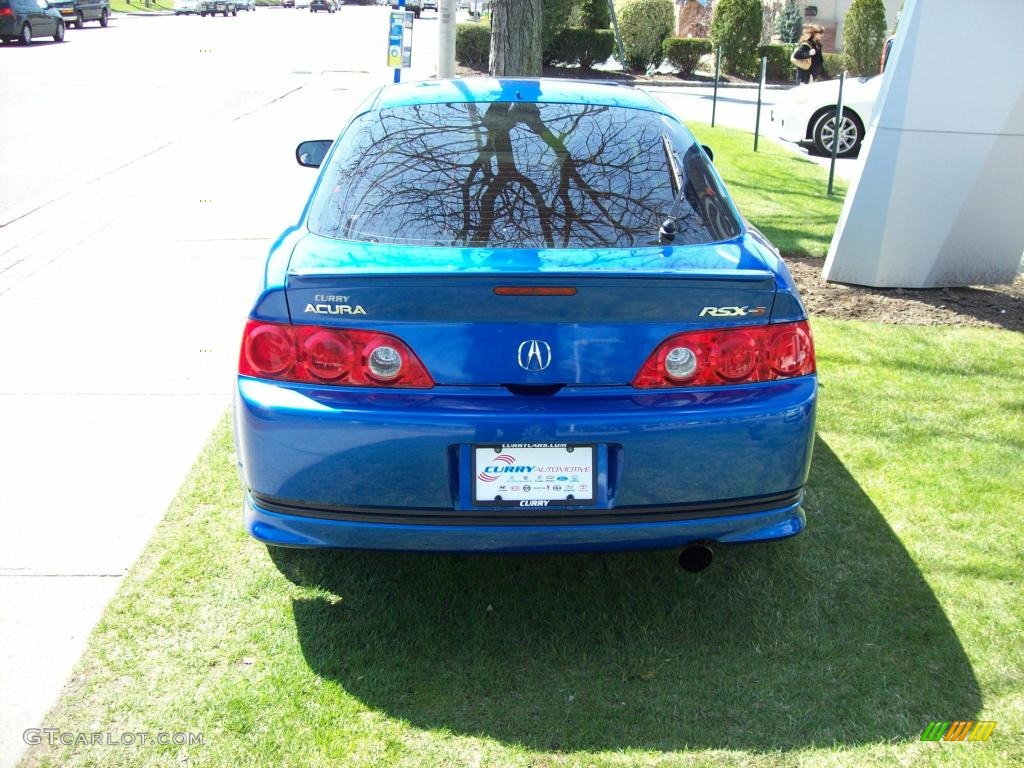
x=548 y=479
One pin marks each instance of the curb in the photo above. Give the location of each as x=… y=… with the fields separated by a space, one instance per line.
x=702 y=84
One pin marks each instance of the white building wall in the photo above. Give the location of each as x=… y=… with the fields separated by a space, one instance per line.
x=939 y=200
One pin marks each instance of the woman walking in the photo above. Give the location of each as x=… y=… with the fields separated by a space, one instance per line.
x=809 y=50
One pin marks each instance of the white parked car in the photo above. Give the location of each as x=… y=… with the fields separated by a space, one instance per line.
x=807 y=113
x=185 y=7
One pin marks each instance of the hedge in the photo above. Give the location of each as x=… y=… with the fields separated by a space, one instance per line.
x=684 y=53
x=736 y=27
x=585 y=47
x=779 y=65
x=555 y=18
x=644 y=26
x=473 y=45
x=835 y=63
x=594 y=14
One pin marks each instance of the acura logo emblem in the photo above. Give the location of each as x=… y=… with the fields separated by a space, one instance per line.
x=534 y=355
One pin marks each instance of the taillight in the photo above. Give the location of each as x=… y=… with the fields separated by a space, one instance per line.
x=339 y=356
x=730 y=356
x=6 y=12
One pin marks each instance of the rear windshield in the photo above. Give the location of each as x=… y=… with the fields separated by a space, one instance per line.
x=518 y=175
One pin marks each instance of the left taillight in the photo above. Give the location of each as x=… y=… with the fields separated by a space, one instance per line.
x=317 y=355
x=729 y=356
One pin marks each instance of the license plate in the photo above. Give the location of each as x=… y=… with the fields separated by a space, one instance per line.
x=533 y=475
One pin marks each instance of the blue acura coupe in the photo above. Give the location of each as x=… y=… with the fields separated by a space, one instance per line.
x=522 y=316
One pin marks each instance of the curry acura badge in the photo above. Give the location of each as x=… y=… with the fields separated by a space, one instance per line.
x=333 y=305
x=534 y=355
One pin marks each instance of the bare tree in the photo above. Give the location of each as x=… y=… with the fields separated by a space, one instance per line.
x=772 y=9
x=515 y=175
x=516 y=39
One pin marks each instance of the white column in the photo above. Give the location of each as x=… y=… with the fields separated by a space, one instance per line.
x=446 y=38
x=938 y=200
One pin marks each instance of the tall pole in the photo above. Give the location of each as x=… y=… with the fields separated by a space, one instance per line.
x=714 y=98
x=836 y=132
x=618 y=36
x=398 y=69
x=760 y=90
x=446 y=38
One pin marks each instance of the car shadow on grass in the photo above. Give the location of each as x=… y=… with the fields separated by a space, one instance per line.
x=833 y=637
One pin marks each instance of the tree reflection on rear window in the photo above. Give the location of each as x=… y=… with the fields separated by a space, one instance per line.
x=517 y=175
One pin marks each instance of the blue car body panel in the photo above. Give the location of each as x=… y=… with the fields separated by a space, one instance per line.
x=335 y=466
x=483 y=90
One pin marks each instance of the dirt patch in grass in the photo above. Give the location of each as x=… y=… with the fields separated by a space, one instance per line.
x=1000 y=306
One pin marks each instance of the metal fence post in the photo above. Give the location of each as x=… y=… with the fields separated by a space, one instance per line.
x=835 y=132
x=760 y=89
x=618 y=35
x=714 y=98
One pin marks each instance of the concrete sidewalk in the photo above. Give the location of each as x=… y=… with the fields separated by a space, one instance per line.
x=126 y=318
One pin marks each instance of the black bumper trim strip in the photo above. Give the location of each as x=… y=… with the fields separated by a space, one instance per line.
x=531 y=516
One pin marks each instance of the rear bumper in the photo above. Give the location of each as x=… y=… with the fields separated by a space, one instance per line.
x=341 y=467
x=289 y=530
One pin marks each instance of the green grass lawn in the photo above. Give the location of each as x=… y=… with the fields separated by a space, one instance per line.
x=900 y=604
x=782 y=194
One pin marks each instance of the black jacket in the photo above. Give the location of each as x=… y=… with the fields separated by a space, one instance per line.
x=804 y=51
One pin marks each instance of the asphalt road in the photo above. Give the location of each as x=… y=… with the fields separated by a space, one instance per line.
x=737 y=108
x=144 y=171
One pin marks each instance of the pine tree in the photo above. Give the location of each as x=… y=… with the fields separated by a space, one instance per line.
x=790 y=22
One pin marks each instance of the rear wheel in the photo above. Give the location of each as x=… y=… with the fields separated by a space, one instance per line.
x=25 y=38
x=105 y=18
x=58 y=36
x=851 y=134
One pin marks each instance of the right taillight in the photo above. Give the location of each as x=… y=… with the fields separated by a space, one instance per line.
x=729 y=356
x=338 y=356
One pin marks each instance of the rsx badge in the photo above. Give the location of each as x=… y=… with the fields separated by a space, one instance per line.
x=732 y=311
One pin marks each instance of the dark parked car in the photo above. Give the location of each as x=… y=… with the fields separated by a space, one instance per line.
x=77 y=12
x=24 y=20
x=415 y=6
x=322 y=5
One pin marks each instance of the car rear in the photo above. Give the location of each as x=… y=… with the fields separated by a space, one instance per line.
x=10 y=20
x=423 y=373
x=67 y=10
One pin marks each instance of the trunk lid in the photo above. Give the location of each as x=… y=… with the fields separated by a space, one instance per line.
x=442 y=302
